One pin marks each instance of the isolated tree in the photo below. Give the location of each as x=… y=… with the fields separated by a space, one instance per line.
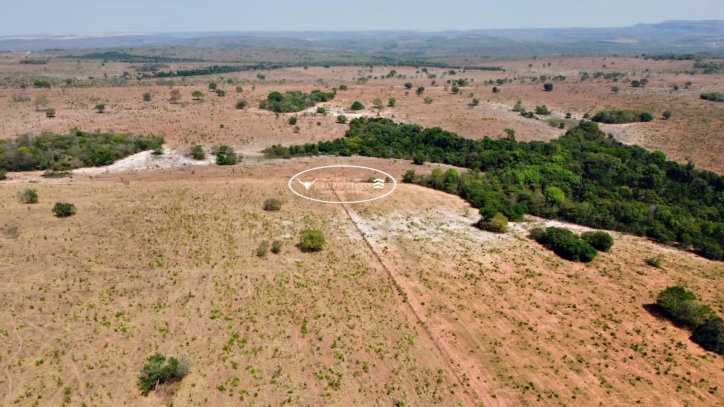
x=63 y=209
x=667 y=115
x=100 y=108
x=175 y=95
x=357 y=105
x=377 y=102
x=29 y=196
x=391 y=102
x=548 y=87
x=420 y=90
x=225 y=155
x=197 y=152
x=160 y=370
x=212 y=86
x=342 y=87
x=41 y=102
x=197 y=95
x=311 y=240
x=321 y=110
x=408 y=85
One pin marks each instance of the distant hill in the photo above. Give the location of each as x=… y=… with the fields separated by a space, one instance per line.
x=669 y=36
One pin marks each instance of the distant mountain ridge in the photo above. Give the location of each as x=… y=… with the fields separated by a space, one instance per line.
x=676 y=36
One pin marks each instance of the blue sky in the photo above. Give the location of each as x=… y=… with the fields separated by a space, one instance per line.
x=84 y=16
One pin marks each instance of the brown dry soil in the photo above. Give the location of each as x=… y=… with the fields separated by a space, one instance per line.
x=693 y=132
x=406 y=303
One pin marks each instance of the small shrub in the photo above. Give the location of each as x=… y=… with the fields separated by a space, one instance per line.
x=240 y=104
x=342 y=119
x=420 y=90
x=50 y=113
x=276 y=246
x=159 y=370
x=225 y=155
x=311 y=240
x=63 y=209
x=495 y=89
x=29 y=196
x=272 y=204
x=548 y=87
x=262 y=249
x=100 y=108
x=391 y=102
x=146 y=97
x=497 y=224
x=408 y=85
x=710 y=335
x=654 y=261
x=220 y=92
x=239 y=89
x=428 y=100
x=197 y=152
x=342 y=87
x=293 y=120
x=321 y=110
x=667 y=115
x=357 y=106
x=600 y=241
x=542 y=109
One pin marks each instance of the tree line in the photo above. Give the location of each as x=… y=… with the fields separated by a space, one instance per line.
x=603 y=183
x=65 y=152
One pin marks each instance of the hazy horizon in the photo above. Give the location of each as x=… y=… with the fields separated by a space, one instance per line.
x=44 y=17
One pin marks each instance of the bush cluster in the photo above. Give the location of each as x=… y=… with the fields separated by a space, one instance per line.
x=617 y=116
x=311 y=240
x=63 y=209
x=564 y=243
x=681 y=307
x=225 y=155
x=294 y=101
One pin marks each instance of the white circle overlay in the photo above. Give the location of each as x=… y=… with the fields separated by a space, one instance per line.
x=394 y=184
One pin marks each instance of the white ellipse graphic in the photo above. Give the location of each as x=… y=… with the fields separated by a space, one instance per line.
x=309 y=184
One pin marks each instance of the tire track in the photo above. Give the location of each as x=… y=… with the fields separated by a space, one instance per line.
x=444 y=355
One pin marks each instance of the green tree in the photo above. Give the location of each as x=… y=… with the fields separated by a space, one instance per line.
x=614 y=89
x=391 y=102
x=293 y=120
x=548 y=87
x=311 y=240
x=408 y=85
x=212 y=86
x=101 y=107
x=554 y=195
x=420 y=90
x=542 y=110
x=342 y=119
x=510 y=133
x=681 y=307
x=197 y=152
x=342 y=87
x=667 y=115
x=225 y=155
x=377 y=102
x=455 y=89
x=497 y=224
x=29 y=196
x=63 y=209
x=159 y=370
x=357 y=105
x=495 y=89
x=600 y=240
x=710 y=335
x=240 y=104
x=197 y=95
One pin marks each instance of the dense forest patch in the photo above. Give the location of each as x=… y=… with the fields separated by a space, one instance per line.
x=74 y=150
x=584 y=177
x=616 y=116
x=294 y=101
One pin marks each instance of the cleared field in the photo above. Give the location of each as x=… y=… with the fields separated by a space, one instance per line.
x=406 y=303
